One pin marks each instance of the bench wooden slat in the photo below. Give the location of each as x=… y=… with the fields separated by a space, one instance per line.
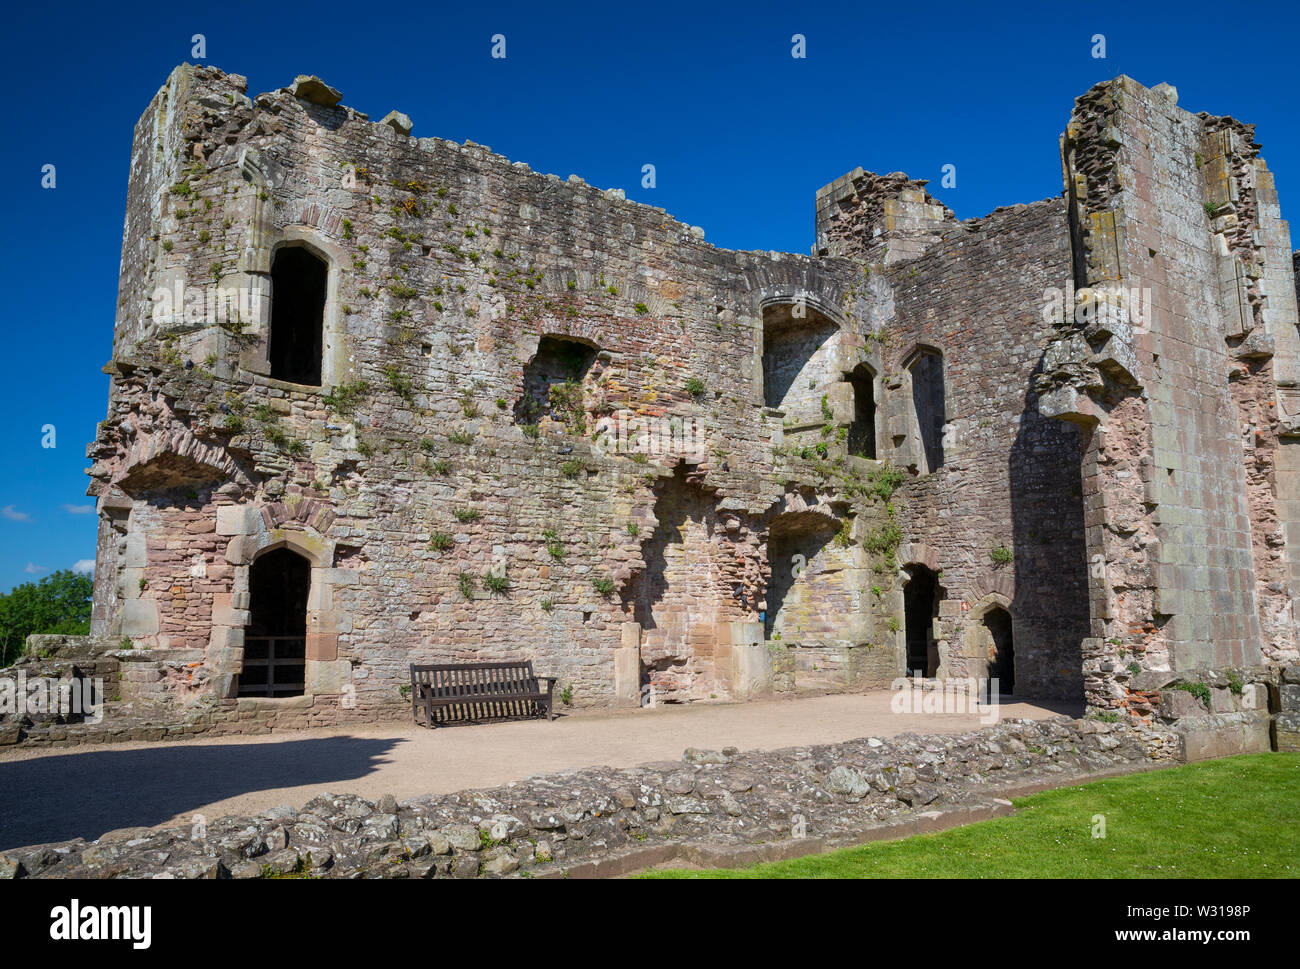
x=478 y=691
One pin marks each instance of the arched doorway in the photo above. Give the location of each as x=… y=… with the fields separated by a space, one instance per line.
x=921 y=597
x=1001 y=651
x=298 y=286
x=275 y=641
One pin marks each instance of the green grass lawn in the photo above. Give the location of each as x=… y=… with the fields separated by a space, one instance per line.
x=1233 y=818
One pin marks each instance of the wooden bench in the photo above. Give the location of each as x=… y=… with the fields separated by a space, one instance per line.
x=447 y=692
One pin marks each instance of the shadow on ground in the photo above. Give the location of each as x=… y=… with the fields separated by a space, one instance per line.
x=85 y=794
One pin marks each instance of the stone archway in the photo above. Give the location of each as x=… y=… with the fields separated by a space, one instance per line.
x=295 y=526
x=921 y=595
x=989 y=641
x=275 y=639
x=1002 y=655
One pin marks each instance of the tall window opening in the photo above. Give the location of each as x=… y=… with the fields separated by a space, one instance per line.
x=926 y=369
x=295 y=346
x=275 y=642
x=862 y=432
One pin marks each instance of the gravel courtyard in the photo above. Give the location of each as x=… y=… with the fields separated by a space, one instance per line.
x=49 y=795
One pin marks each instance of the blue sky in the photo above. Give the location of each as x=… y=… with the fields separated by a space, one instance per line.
x=741 y=134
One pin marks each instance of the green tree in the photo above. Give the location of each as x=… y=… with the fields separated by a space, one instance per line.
x=59 y=603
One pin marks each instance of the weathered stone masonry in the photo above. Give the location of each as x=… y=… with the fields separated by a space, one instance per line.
x=1187 y=415
x=495 y=462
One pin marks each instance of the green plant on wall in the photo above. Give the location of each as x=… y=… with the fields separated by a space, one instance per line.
x=886 y=538
x=568 y=405
x=883 y=482
x=1198 y=690
x=344 y=398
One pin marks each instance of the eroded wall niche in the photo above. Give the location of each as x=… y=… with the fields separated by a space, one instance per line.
x=685 y=590
x=555 y=383
x=798 y=342
x=805 y=595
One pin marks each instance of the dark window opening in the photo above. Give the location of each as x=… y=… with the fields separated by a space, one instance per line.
x=275 y=642
x=1002 y=653
x=554 y=384
x=920 y=607
x=295 y=345
x=862 y=432
x=926 y=369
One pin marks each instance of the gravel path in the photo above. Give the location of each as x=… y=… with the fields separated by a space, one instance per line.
x=50 y=795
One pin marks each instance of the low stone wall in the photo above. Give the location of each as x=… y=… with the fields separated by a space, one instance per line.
x=36 y=691
x=573 y=822
x=1222 y=712
x=1286 y=723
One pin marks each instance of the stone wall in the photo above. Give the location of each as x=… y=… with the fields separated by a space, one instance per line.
x=1009 y=478
x=1177 y=370
x=425 y=465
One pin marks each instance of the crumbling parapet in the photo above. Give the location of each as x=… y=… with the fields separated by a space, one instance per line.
x=887 y=219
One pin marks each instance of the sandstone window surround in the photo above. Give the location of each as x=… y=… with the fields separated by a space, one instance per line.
x=312 y=361
x=295 y=336
x=928 y=414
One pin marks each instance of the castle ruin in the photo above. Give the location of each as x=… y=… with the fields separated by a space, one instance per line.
x=379 y=399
